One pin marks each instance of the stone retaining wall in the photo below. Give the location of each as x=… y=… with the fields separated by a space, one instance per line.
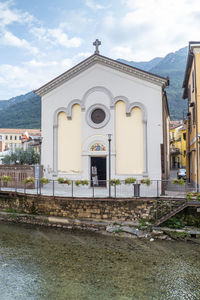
x=98 y=209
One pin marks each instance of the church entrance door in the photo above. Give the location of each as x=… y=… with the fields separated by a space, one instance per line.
x=98 y=171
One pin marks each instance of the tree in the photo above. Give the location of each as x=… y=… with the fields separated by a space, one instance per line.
x=22 y=157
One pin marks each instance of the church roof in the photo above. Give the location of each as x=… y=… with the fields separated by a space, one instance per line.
x=108 y=62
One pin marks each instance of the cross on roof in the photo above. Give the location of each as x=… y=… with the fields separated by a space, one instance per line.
x=97 y=43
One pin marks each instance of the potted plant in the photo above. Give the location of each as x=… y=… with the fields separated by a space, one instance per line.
x=44 y=180
x=6 y=179
x=180 y=181
x=130 y=180
x=81 y=182
x=146 y=181
x=29 y=180
x=115 y=182
x=64 y=181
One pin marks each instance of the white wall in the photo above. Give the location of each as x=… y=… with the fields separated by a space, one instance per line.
x=119 y=84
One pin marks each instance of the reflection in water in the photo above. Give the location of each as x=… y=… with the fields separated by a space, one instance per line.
x=39 y=263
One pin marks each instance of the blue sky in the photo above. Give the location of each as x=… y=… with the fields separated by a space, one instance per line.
x=40 y=39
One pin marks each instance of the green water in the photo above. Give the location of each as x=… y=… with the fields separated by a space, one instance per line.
x=39 y=263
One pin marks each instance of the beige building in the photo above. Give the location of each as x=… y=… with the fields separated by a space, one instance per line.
x=11 y=138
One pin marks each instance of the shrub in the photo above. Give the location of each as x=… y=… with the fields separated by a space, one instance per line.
x=29 y=180
x=180 y=181
x=130 y=180
x=146 y=181
x=175 y=181
x=6 y=178
x=174 y=223
x=44 y=180
x=189 y=196
x=115 y=182
x=82 y=182
x=198 y=197
x=64 y=181
x=22 y=157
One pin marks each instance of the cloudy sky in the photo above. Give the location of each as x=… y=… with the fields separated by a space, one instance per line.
x=40 y=39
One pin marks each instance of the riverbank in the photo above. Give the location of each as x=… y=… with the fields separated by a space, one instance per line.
x=122 y=229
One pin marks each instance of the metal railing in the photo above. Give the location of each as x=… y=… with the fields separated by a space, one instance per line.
x=53 y=188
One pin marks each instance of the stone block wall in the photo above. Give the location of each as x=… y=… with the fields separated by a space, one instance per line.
x=98 y=209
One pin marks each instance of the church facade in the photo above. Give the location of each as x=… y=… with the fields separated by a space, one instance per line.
x=104 y=119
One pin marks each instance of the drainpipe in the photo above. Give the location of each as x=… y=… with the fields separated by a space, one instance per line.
x=196 y=115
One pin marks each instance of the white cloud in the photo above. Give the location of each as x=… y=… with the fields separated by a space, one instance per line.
x=152 y=28
x=122 y=52
x=60 y=37
x=34 y=73
x=93 y=5
x=56 y=37
x=10 y=39
x=10 y=15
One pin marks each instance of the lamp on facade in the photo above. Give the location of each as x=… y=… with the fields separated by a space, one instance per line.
x=109 y=155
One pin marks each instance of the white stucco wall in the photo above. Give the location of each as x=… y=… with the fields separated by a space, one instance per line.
x=119 y=84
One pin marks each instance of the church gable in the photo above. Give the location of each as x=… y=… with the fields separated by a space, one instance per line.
x=104 y=61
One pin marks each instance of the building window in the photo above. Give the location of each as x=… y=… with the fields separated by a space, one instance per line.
x=0 y=137
x=15 y=145
x=15 y=137
x=20 y=137
x=10 y=137
x=184 y=136
x=10 y=145
x=192 y=81
x=193 y=114
x=97 y=116
x=6 y=137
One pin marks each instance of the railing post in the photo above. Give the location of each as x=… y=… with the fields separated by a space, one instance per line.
x=157 y=188
x=40 y=186
x=53 y=189
x=72 y=189
x=24 y=188
x=15 y=186
x=93 y=190
x=37 y=187
x=115 y=190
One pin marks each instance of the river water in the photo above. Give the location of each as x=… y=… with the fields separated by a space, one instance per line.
x=41 y=263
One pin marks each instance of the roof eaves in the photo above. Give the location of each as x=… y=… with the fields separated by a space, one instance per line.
x=162 y=81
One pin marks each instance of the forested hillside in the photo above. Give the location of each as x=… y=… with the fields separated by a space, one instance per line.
x=25 y=111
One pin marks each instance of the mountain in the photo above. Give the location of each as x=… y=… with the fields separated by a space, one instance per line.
x=172 y=65
x=23 y=111
x=144 y=65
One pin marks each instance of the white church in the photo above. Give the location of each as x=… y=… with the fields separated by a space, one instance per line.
x=104 y=119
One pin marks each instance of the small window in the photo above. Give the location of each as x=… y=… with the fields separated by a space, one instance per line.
x=6 y=137
x=184 y=136
x=15 y=137
x=10 y=137
x=20 y=137
x=10 y=145
x=193 y=115
x=192 y=81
